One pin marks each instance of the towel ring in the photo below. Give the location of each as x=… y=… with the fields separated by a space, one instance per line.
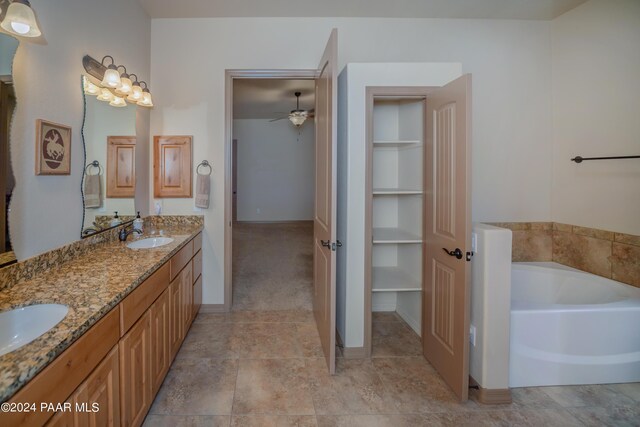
x=206 y=164
x=94 y=164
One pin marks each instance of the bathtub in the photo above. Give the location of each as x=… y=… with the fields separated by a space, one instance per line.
x=571 y=327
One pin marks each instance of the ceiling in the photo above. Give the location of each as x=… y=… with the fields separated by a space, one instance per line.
x=270 y=98
x=463 y=9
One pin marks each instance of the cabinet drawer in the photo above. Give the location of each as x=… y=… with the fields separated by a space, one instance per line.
x=179 y=260
x=138 y=301
x=197 y=265
x=197 y=243
x=62 y=376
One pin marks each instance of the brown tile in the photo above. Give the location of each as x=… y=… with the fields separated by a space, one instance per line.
x=273 y=386
x=631 y=390
x=611 y=416
x=522 y=398
x=394 y=339
x=513 y=226
x=581 y=252
x=587 y=395
x=593 y=232
x=185 y=421
x=197 y=387
x=275 y=316
x=532 y=245
x=211 y=318
x=541 y=226
x=629 y=239
x=567 y=228
x=209 y=340
x=273 y=421
x=533 y=417
x=309 y=340
x=372 y=421
x=385 y=316
x=356 y=388
x=267 y=340
x=416 y=387
x=625 y=264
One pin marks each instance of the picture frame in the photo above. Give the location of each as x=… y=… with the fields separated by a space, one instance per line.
x=53 y=148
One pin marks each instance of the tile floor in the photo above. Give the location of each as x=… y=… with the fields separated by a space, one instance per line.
x=253 y=368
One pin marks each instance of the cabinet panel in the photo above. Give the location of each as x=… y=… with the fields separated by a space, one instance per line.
x=175 y=324
x=179 y=260
x=121 y=166
x=63 y=419
x=197 y=266
x=186 y=311
x=160 y=350
x=135 y=372
x=197 y=296
x=102 y=388
x=197 y=243
x=138 y=301
x=172 y=166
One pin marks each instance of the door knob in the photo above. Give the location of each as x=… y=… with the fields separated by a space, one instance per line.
x=326 y=243
x=456 y=253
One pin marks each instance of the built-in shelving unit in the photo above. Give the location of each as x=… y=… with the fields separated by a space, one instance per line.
x=397 y=204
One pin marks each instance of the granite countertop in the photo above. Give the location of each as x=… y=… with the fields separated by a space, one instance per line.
x=90 y=285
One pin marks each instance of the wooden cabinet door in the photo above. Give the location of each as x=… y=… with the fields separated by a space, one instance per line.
x=197 y=296
x=175 y=323
x=172 y=166
x=63 y=419
x=97 y=400
x=160 y=350
x=121 y=166
x=186 y=312
x=135 y=372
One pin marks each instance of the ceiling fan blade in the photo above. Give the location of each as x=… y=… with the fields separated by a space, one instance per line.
x=279 y=118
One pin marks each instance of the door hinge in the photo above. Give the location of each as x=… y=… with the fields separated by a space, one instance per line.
x=469 y=255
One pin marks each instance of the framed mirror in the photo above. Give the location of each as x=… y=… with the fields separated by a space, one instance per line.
x=8 y=46
x=109 y=180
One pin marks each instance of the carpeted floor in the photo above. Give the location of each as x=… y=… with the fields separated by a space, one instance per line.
x=273 y=266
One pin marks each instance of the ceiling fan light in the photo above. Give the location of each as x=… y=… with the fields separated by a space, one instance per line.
x=298 y=118
x=20 y=20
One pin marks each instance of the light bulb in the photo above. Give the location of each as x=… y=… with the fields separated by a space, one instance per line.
x=20 y=20
x=136 y=93
x=90 y=88
x=146 y=99
x=125 y=87
x=117 y=102
x=111 y=77
x=105 y=95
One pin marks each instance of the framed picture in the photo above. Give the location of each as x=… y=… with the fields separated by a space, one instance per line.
x=53 y=148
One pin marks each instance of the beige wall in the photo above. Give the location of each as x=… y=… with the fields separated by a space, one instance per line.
x=596 y=111
x=46 y=211
x=510 y=62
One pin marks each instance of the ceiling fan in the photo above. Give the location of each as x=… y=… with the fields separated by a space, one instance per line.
x=297 y=116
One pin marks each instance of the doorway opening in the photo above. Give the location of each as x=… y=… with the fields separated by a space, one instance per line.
x=273 y=174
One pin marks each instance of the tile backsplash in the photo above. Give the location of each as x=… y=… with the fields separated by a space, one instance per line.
x=604 y=253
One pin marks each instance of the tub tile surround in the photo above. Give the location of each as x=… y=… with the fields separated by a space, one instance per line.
x=604 y=253
x=91 y=277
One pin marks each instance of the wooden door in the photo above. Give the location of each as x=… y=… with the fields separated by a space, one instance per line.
x=135 y=372
x=121 y=166
x=447 y=229
x=234 y=182
x=101 y=388
x=324 y=227
x=175 y=323
x=172 y=166
x=160 y=349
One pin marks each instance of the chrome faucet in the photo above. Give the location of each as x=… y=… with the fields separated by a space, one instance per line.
x=124 y=233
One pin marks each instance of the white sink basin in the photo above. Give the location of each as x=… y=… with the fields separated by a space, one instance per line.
x=150 y=242
x=20 y=326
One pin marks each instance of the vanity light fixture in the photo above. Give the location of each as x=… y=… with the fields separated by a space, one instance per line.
x=111 y=75
x=117 y=88
x=20 y=20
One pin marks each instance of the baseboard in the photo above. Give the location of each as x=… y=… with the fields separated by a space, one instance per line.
x=213 y=308
x=291 y=221
x=383 y=307
x=495 y=396
x=415 y=324
x=354 y=353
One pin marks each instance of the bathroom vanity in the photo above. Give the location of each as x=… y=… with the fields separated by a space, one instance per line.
x=129 y=311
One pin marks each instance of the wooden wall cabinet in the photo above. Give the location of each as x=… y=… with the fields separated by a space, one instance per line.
x=121 y=166
x=172 y=166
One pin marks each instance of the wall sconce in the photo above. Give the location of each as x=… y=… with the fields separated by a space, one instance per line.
x=20 y=19
x=114 y=87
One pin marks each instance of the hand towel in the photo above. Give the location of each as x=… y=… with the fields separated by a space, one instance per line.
x=202 y=191
x=92 y=191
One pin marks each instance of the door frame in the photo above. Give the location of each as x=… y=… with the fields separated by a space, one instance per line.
x=372 y=92
x=229 y=76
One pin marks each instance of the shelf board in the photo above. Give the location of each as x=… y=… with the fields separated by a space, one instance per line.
x=394 y=143
x=392 y=191
x=393 y=279
x=394 y=235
